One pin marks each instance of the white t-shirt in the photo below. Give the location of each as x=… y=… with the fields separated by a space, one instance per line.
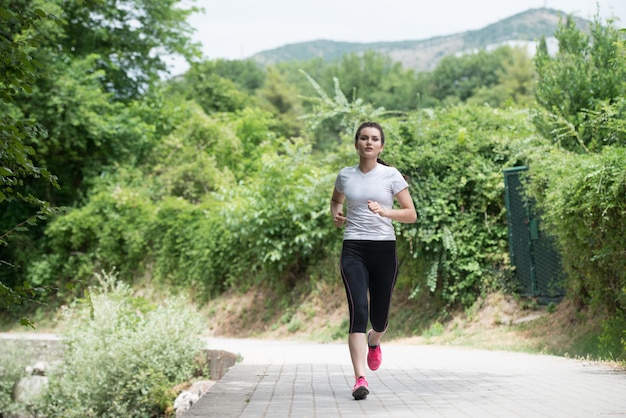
x=380 y=184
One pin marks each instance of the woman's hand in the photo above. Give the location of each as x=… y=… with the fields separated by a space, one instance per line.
x=339 y=219
x=336 y=208
x=376 y=208
x=406 y=213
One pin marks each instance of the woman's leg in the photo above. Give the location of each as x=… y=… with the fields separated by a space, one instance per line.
x=374 y=337
x=356 y=278
x=358 y=352
x=383 y=267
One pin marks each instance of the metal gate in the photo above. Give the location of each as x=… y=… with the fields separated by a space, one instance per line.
x=537 y=263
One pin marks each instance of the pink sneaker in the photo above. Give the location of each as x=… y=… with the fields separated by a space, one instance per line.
x=360 y=389
x=374 y=355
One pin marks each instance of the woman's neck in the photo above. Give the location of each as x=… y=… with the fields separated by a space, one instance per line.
x=366 y=165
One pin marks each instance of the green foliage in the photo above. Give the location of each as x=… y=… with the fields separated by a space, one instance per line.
x=124 y=357
x=245 y=74
x=375 y=78
x=20 y=71
x=280 y=217
x=87 y=129
x=581 y=186
x=338 y=111
x=612 y=341
x=365 y=84
x=460 y=77
x=585 y=208
x=580 y=90
x=454 y=159
x=516 y=81
x=125 y=36
x=66 y=65
x=435 y=330
x=193 y=248
x=110 y=231
x=66 y=72
x=17 y=41
x=187 y=220
x=212 y=92
x=281 y=97
x=198 y=157
x=370 y=78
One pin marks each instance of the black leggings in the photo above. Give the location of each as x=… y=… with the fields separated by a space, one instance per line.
x=369 y=266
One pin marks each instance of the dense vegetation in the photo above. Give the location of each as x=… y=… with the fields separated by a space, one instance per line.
x=219 y=179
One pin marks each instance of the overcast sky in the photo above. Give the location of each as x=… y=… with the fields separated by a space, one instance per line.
x=237 y=29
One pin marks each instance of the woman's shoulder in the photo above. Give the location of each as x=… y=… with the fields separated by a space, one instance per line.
x=349 y=169
x=387 y=169
x=393 y=174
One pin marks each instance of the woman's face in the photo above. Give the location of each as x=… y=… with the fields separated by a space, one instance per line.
x=369 y=143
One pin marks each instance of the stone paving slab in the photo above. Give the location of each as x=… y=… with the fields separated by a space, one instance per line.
x=299 y=379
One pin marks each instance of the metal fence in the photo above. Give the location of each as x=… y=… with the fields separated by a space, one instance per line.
x=533 y=254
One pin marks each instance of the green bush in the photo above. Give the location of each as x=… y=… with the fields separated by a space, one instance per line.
x=454 y=159
x=122 y=356
x=109 y=232
x=580 y=89
x=279 y=221
x=583 y=203
x=192 y=246
x=612 y=341
x=580 y=184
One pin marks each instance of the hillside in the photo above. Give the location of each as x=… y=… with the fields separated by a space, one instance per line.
x=423 y=55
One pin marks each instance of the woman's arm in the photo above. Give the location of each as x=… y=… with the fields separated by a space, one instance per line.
x=406 y=213
x=336 y=208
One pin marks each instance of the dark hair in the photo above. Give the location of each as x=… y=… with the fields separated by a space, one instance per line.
x=371 y=125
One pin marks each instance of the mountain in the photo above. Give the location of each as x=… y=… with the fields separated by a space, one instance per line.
x=522 y=29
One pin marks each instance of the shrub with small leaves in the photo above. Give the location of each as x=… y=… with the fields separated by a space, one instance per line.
x=122 y=355
x=14 y=357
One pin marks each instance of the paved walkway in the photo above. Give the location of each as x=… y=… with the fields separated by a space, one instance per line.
x=291 y=379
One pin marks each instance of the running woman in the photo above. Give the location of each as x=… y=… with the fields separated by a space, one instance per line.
x=368 y=259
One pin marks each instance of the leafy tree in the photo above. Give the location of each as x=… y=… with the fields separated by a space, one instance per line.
x=516 y=82
x=73 y=69
x=211 y=91
x=166 y=214
x=374 y=78
x=371 y=76
x=20 y=71
x=336 y=114
x=580 y=86
x=246 y=74
x=98 y=53
x=282 y=99
x=220 y=85
x=459 y=78
x=129 y=37
x=280 y=238
x=316 y=68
